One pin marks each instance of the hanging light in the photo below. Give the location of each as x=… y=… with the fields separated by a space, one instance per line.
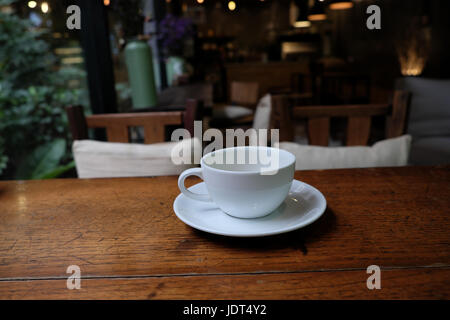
x=341 y=4
x=200 y=1
x=32 y=4
x=302 y=18
x=317 y=12
x=44 y=7
x=302 y=24
x=231 y=5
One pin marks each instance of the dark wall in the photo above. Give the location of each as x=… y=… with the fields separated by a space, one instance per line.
x=439 y=62
x=374 y=51
x=254 y=25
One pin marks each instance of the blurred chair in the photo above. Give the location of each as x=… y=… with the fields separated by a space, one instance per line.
x=358 y=118
x=394 y=151
x=244 y=98
x=118 y=157
x=429 y=119
x=118 y=124
x=244 y=94
x=342 y=88
x=261 y=119
x=333 y=88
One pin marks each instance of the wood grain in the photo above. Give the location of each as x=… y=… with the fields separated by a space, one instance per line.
x=77 y=122
x=391 y=217
x=340 y=111
x=285 y=111
x=135 y=119
x=117 y=124
x=244 y=93
x=395 y=284
x=397 y=122
x=358 y=131
x=318 y=131
x=118 y=133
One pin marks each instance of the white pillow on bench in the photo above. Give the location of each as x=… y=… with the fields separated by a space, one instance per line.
x=386 y=153
x=261 y=120
x=96 y=159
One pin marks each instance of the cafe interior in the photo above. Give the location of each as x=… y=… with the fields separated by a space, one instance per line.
x=95 y=96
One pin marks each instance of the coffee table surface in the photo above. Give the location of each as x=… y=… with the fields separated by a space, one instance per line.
x=128 y=243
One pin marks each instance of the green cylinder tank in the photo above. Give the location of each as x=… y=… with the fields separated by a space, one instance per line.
x=139 y=60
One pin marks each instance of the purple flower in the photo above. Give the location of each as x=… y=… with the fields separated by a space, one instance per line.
x=173 y=31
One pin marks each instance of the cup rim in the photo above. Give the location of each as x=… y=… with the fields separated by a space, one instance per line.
x=291 y=161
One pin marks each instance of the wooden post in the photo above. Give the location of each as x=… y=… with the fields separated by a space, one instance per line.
x=97 y=54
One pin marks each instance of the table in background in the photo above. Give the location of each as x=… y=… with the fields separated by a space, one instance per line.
x=177 y=95
x=126 y=239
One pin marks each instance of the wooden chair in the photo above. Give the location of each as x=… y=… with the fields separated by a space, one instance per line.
x=339 y=88
x=117 y=124
x=244 y=98
x=333 y=88
x=284 y=114
x=244 y=94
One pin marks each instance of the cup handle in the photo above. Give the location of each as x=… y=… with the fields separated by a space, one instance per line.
x=196 y=196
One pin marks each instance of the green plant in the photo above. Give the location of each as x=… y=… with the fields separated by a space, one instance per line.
x=43 y=162
x=124 y=96
x=33 y=94
x=173 y=33
x=3 y=157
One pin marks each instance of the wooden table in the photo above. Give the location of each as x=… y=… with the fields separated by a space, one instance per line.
x=128 y=243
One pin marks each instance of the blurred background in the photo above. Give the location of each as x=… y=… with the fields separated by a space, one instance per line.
x=195 y=49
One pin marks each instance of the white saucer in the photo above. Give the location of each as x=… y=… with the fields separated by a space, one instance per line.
x=303 y=205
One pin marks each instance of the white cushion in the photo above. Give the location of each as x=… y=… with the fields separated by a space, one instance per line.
x=232 y=112
x=386 y=153
x=262 y=113
x=95 y=159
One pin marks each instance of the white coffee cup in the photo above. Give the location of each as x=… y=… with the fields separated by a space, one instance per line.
x=244 y=182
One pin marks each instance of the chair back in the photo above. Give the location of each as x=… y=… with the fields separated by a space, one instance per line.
x=245 y=94
x=117 y=124
x=359 y=118
x=341 y=88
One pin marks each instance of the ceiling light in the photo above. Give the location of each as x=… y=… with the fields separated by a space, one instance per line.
x=44 y=7
x=317 y=17
x=341 y=5
x=317 y=12
x=302 y=24
x=302 y=19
